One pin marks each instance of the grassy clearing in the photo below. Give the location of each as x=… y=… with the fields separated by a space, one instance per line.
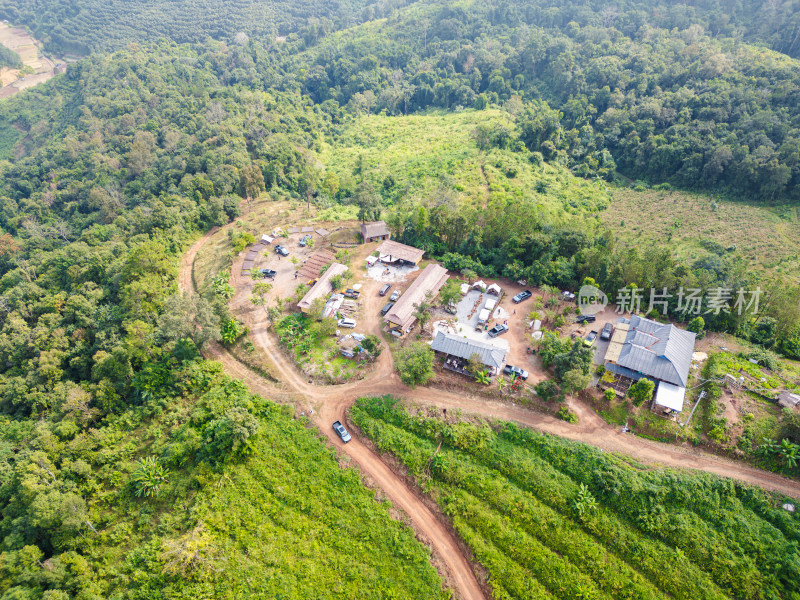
x=552 y=518
x=767 y=238
x=217 y=254
x=417 y=154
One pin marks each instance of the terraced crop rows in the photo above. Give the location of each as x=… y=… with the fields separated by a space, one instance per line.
x=513 y=496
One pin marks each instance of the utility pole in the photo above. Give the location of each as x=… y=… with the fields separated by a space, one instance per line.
x=699 y=398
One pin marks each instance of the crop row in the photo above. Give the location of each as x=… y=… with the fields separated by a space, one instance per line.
x=628 y=546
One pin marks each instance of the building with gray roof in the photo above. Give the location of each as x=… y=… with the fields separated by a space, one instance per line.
x=661 y=352
x=464 y=348
x=657 y=350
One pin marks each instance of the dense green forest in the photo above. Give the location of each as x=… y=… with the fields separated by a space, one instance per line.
x=130 y=467
x=677 y=106
x=549 y=517
x=9 y=58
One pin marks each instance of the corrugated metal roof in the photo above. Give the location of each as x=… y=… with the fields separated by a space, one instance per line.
x=322 y=287
x=788 y=399
x=391 y=251
x=670 y=396
x=430 y=280
x=614 y=368
x=453 y=345
x=660 y=351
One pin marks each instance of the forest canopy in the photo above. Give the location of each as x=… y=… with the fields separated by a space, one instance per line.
x=120 y=447
x=683 y=105
x=9 y=58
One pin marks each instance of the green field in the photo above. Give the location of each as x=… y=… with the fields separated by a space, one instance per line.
x=420 y=155
x=550 y=518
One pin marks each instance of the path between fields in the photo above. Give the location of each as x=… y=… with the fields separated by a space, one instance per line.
x=331 y=402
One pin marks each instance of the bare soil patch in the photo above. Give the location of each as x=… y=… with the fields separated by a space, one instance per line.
x=40 y=68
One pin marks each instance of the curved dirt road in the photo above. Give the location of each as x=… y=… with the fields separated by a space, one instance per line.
x=331 y=402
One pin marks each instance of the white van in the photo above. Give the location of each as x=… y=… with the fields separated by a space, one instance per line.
x=347 y=323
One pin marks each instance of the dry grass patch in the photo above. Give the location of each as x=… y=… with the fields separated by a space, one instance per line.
x=767 y=238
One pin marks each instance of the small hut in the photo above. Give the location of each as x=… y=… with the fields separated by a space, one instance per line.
x=376 y=230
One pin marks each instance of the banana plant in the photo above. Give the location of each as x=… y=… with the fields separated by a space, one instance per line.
x=483 y=377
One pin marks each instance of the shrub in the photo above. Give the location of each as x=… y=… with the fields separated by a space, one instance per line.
x=565 y=414
x=148 y=477
x=697 y=325
x=415 y=364
x=546 y=390
x=641 y=391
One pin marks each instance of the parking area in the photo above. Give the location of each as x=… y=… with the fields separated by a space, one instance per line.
x=287 y=278
x=465 y=321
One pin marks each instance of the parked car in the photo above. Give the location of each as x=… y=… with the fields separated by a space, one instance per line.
x=586 y=319
x=304 y=240
x=350 y=323
x=350 y=293
x=608 y=329
x=269 y=273
x=384 y=290
x=281 y=250
x=395 y=295
x=386 y=308
x=522 y=296
x=341 y=431
x=520 y=373
x=498 y=329
x=590 y=338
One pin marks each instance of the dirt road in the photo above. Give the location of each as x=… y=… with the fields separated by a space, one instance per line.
x=330 y=405
x=331 y=402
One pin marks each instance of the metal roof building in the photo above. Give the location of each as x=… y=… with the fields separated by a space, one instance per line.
x=453 y=345
x=430 y=281
x=656 y=350
x=661 y=352
x=392 y=252
x=322 y=288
